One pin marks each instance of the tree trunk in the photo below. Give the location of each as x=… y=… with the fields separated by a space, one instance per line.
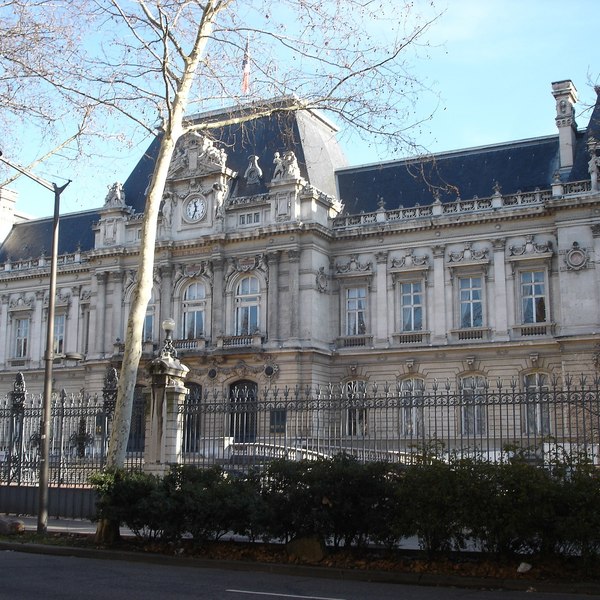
x=108 y=531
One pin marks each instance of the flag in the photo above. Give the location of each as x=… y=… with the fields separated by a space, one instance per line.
x=246 y=70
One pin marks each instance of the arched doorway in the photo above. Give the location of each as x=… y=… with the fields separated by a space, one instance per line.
x=243 y=407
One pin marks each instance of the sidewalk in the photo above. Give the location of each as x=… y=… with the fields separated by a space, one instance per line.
x=64 y=525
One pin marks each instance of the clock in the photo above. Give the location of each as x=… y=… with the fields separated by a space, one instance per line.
x=194 y=209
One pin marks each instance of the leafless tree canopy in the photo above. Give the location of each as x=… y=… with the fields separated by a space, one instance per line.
x=66 y=61
x=149 y=62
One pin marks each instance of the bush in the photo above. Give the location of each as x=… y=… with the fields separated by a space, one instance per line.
x=509 y=508
x=136 y=500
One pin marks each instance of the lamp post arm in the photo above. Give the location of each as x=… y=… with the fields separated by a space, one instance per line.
x=42 y=182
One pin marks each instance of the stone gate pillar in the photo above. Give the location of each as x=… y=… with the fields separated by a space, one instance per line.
x=164 y=424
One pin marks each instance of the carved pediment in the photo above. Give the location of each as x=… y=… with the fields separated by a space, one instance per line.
x=353 y=267
x=410 y=261
x=196 y=155
x=21 y=303
x=530 y=247
x=468 y=255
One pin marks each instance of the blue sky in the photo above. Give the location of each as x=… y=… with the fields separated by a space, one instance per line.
x=491 y=63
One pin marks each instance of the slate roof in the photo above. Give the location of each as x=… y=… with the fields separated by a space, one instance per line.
x=311 y=138
x=31 y=239
x=467 y=173
x=521 y=165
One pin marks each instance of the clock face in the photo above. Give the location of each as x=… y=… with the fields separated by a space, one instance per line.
x=195 y=209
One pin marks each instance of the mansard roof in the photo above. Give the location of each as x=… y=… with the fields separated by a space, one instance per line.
x=32 y=239
x=306 y=133
x=522 y=165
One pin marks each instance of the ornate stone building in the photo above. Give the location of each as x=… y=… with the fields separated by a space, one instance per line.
x=281 y=265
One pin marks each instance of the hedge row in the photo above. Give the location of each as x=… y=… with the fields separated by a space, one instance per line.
x=508 y=508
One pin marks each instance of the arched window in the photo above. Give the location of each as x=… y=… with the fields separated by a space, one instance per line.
x=473 y=409
x=247 y=306
x=411 y=411
x=243 y=396
x=194 y=311
x=536 y=417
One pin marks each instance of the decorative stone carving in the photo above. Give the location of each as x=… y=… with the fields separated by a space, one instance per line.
x=259 y=262
x=468 y=254
x=530 y=247
x=593 y=147
x=110 y=231
x=410 y=261
x=204 y=269
x=353 y=266
x=321 y=280
x=253 y=173
x=576 y=258
x=196 y=153
x=21 y=303
x=115 y=197
x=220 y=190
x=167 y=210
x=286 y=167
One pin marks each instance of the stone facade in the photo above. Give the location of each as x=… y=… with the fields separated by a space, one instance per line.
x=271 y=281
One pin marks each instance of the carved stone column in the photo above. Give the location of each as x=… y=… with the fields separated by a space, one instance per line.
x=73 y=322
x=4 y=326
x=273 y=297
x=218 y=298
x=97 y=315
x=294 y=292
x=438 y=304
x=164 y=423
x=38 y=330
x=500 y=299
x=380 y=312
x=596 y=234
x=113 y=320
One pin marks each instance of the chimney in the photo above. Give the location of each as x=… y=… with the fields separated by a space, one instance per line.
x=566 y=96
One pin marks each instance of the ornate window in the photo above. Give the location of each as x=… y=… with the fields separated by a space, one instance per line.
x=59 y=334
x=21 y=337
x=411 y=306
x=247 y=306
x=411 y=409
x=536 y=414
x=471 y=305
x=356 y=310
x=194 y=311
x=473 y=411
x=533 y=296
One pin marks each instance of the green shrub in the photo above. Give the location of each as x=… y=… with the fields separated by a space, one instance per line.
x=136 y=500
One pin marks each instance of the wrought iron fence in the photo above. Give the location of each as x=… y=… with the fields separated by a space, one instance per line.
x=249 y=427
x=79 y=433
x=395 y=423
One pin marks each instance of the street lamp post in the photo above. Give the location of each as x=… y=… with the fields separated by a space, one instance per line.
x=42 y=522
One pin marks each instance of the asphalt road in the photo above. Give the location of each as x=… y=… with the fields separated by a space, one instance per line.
x=31 y=576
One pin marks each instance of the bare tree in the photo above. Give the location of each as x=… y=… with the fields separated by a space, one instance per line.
x=152 y=61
